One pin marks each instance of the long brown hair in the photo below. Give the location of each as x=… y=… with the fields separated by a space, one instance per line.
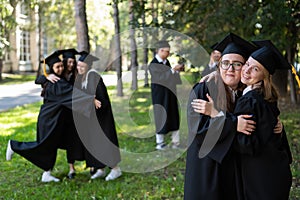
x=267 y=88
x=227 y=103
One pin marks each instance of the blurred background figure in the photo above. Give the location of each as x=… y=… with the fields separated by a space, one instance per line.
x=215 y=56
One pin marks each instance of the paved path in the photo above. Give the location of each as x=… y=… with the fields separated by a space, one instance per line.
x=15 y=95
x=19 y=94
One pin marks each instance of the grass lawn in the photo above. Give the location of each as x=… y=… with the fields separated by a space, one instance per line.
x=16 y=78
x=147 y=174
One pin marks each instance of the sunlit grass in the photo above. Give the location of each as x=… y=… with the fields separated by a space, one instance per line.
x=291 y=121
x=8 y=79
x=20 y=122
x=20 y=179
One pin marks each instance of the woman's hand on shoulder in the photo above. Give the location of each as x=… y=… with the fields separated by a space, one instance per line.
x=52 y=78
x=208 y=77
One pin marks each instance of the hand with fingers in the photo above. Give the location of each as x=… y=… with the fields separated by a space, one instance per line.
x=279 y=126
x=97 y=103
x=208 y=77
x=52 y=78
x=245 y=124
x=205 y=107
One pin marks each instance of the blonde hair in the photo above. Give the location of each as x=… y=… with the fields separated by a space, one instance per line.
x=267 y=88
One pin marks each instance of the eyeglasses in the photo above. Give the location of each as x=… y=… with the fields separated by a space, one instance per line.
x=235 y=65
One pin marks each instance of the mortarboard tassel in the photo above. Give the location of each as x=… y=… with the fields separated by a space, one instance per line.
x=44 y=68
x=296 y=75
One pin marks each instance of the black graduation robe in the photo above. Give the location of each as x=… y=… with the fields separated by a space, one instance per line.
x=213 y=176
x=98 y=132
x=264 y=156
x=70 y=140
x=164 y=100
x=57 y=96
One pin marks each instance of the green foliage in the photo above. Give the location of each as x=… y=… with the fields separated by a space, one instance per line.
x=8 y=23
x=209 y=21
x=269 y=13
x=58 y=22
x=100 y=22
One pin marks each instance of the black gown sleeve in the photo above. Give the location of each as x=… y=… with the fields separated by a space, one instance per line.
x=69 y=97
x=162 y=74
x=197 y=123
x=97 y=87
x=285 y=145
x=41 y=80
x=215 y=135
x=247 y=144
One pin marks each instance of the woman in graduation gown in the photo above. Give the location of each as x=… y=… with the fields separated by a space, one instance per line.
x=71 y=141
x=264 y=157
x=98 y=132
x=210 y=163
x=42 y=152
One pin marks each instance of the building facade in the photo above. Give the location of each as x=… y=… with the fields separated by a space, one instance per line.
x=24 y=43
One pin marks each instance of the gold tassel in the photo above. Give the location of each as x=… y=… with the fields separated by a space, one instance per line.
x=44 y=68
x=296 y=75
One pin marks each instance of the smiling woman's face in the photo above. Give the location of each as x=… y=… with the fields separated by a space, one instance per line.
x=230 y=76
x=82 y=67
x=70 y=64
x=58 y=68
x=252 y=72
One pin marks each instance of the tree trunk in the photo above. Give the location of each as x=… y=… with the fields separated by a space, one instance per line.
x=83 y=43
x=154 y=23
x=293 y=88
x=145 y=49
x=38 y=73
x=117 y=48
x=133 y=48
x=280 y=80
x=293 y=93
x=1 y=66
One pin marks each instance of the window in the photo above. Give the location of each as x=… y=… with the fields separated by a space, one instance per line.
x=25 y=46
x=24 y=10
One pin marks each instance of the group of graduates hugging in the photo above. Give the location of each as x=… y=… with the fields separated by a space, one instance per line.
x=237 y=148
x=76 y=112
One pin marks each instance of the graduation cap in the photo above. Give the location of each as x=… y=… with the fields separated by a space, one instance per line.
x=68 y=53
x=87 y=58
x=50 y=61
x=235 y=44
x=213 y=47
x=269 y=56
x=162 y=44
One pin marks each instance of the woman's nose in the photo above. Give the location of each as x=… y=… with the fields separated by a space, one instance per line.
x=247 y=69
